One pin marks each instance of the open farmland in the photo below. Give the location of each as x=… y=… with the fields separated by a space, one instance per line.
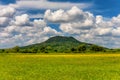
x=59 y=66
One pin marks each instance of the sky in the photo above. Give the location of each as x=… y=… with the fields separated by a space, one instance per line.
x=25 y=22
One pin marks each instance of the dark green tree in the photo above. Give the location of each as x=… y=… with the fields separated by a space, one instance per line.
x=34 y=50
x=43 y=49
x=96 y=48
x=82 y=48
x=73 y=50
x=16 y=49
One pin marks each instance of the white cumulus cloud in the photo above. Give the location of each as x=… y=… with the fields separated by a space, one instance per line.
x=45 y=4
x=21 y=31
x=7 y=12
x=22 y=20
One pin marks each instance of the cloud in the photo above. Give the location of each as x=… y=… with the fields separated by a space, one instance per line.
x=7 y=12
x=22 y=20
x=72 y=21
x=26 y=35
x=5 y=15
x=21 y=31
x=45 y=4
x=60 y=16
x=33 y=16
x=4 y=21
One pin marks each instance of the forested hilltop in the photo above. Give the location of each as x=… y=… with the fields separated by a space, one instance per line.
x=57 y=44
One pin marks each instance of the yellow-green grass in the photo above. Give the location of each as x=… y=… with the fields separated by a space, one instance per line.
x=60 y=66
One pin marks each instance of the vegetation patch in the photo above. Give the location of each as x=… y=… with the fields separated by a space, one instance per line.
x=57 y=44
x=60 y=67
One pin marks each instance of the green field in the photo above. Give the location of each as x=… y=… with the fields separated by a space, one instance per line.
x=60 y=67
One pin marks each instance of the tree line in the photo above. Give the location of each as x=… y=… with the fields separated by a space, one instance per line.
x=48 y=49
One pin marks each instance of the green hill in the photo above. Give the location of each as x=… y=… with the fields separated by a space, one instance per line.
x=60 y=44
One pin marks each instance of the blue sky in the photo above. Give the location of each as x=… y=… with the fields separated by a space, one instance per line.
x=24 y=22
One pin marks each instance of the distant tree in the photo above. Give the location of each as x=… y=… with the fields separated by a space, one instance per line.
x=2 y=50
x=34 y=50
x=82 y=48
x=49 y=47
x=24 y=51
x=16 y=49
x=43 y=49
x=56 y=50
x=7 y=50
x=96 y=48
x=73 y=49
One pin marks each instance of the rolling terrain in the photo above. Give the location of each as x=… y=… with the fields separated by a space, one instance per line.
x=62 y=44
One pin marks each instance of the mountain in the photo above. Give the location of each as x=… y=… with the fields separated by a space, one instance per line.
x=58 y=44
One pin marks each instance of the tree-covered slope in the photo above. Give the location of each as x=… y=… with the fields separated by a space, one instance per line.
x=59 y=44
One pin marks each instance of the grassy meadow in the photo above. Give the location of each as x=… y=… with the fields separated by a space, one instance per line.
x=59 y=66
